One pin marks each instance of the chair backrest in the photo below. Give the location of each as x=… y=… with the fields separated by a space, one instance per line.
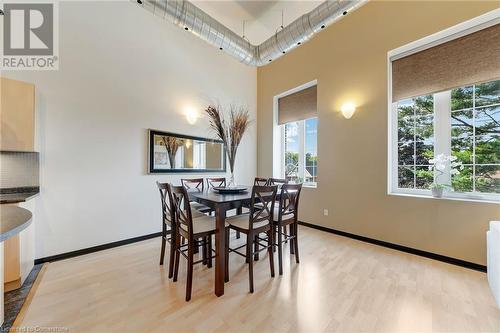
x=193 y=184
x=167 y=209
x=260 y=181
x=216 y=182
x=183 y=217
x=262 y=205
x=289 y=202
x=277 y=181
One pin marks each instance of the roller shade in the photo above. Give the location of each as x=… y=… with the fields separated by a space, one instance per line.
x=298 y=106
x=473 y=58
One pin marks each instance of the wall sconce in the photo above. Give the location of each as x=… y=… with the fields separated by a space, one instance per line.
x=348 y=110
x=191 y=115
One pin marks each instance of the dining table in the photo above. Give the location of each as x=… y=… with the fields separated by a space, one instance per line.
x=220 y=204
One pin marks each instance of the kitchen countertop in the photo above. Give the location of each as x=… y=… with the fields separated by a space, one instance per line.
x=16 y=195
x=13 y=220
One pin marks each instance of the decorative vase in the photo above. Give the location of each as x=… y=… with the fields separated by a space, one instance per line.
x=231 y=183
x=437 y=192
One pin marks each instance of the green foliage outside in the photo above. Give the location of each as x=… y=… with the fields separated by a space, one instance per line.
x=479 y=105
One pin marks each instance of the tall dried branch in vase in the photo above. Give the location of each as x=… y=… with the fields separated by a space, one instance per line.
x=172 y=144
x=230 y=131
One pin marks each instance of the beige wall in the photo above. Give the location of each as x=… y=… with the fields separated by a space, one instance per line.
x=349 y=60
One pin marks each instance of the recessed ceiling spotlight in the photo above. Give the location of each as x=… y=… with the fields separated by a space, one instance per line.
x=139 y=2
x=220 y=48
x=344 y=13
x=298 y=43
x=323 y=26
x=283 y=52
x=270 y=60
x=186 y=28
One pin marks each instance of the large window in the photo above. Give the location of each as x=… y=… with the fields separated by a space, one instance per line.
x=300 y=151
x=462 y=122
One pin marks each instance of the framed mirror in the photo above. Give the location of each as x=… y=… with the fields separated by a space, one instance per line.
x=178 y=153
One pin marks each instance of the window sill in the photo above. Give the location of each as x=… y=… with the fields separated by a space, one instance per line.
x=455 y=197
x=310 y=185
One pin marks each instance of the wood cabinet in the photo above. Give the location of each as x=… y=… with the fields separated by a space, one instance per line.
x=17 y=115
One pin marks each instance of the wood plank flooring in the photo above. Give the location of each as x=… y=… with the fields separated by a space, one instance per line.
x=341 y=285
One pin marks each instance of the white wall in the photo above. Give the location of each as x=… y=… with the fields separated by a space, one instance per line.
x=121 y=72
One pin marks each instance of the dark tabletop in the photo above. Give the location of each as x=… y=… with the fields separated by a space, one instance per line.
x=15 y=195
x=215 y=197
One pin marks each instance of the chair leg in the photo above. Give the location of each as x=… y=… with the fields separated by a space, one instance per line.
x=226 y=253
x=204 y=250
x=209 y=251
x=280 y=251
x=189 y=282
x=239 y=210
x=292 y=243
x=177 y=254
x=270 y=252
x=275 y=236
x=256 y=247
x=172 y=256
x=296 y=240
x=285 y=232
x=162 y=251
x=250 y=262
x=196 y=249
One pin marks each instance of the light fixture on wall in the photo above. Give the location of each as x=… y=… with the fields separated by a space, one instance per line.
x=191 y=114
x=348 y=110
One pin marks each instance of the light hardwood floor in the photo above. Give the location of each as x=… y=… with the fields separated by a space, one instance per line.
x=341 y=285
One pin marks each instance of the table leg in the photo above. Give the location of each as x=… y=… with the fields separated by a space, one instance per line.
x=220 y=262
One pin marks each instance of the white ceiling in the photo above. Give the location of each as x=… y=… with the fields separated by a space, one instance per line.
x=263 y=18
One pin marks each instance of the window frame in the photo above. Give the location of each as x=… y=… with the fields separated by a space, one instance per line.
x=302 y=151
x=440 y=129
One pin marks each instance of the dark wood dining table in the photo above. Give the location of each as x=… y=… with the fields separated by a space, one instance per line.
x=221 y=203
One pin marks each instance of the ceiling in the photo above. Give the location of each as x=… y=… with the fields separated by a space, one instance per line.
x=262 y=18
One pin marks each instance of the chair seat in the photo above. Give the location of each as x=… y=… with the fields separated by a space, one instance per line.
x=241 y=221
x=202 y=224
x=276 y=215
x=199 y=206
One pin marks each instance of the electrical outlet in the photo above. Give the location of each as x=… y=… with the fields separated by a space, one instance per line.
x=325 y=212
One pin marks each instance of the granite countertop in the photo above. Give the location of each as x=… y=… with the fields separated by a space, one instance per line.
x=13 y=220
x=18 y=194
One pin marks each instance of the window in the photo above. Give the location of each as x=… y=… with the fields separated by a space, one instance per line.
x=462 y=122
x=300 y=151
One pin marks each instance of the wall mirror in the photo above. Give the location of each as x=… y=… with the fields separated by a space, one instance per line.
x=178 y=153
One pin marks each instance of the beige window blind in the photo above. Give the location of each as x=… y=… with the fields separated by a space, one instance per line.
x=298 y=106
x=473 y=58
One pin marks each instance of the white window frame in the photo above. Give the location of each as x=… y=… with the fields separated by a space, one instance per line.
x=442 y=129
x=301 y=133
x=279 y=135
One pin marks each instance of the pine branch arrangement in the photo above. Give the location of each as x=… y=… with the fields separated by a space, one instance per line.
x=231 y=130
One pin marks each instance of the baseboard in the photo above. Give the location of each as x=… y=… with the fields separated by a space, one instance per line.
x=97 y=248
x=430 y=255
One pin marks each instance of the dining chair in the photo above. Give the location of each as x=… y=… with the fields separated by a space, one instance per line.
x=195 y=231
x=260 y=181
x=286 y=214
x=168 y=220
x=258 y=220
x=196 y=184
x=216 y=182
x=279 y=182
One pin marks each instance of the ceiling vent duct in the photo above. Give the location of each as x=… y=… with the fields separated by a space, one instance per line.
x=191 y=18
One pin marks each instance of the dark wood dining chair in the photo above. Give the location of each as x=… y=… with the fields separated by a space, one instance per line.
x=260 y=181
x=286 y=214
x=278 y=182
x=216 y=182
x=168 y=220
x=194 y=231
x=258 y=220
x=196 y=184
